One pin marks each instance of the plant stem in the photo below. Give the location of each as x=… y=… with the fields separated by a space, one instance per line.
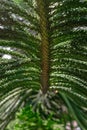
x=44 y=30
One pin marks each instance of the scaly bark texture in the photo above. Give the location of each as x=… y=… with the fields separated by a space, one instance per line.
x=44 y=28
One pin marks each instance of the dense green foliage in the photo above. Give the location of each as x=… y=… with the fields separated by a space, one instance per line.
x=48 y=68
x=28 y=120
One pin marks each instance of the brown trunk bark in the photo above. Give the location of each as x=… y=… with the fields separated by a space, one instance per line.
x=44 y=28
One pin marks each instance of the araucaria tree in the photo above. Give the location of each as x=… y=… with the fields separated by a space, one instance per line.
x=48 y=68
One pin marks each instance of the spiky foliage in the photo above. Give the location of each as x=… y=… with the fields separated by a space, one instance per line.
x=49 y=65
